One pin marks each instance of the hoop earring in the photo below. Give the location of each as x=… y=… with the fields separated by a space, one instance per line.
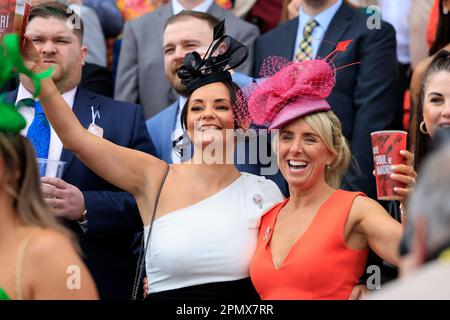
x=423 y=128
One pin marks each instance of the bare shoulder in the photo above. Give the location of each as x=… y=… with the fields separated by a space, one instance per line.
x=51 y=259
x=364 y=205
x=49 y=248
x=48 y=241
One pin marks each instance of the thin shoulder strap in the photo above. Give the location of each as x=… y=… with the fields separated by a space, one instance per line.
x=19 y=266
x=143 y=253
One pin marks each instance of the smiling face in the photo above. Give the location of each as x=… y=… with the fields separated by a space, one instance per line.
x=209 y=114
x=180 y=38
x=436 y=105
x=302 y=155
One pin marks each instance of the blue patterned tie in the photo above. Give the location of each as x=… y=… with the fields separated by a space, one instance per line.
x=39 y=132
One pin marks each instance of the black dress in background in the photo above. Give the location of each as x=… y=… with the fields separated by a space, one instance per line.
x=238 y=290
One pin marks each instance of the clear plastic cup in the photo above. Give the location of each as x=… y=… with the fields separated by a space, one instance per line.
x=50 y=168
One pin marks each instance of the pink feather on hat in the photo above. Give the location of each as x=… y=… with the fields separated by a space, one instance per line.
x=291 y=89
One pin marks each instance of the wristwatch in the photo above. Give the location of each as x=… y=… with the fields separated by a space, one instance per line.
x=83 y=217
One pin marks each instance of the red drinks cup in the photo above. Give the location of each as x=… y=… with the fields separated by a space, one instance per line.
x=386 y=146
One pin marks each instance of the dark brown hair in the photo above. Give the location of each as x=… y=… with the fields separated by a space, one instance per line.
x=232 y=88
x=59 y=11
x=186 y=14
x=441 y=62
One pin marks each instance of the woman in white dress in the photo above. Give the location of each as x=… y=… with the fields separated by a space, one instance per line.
x=201 y=216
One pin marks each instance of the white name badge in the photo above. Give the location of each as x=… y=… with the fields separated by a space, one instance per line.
x=93 y=128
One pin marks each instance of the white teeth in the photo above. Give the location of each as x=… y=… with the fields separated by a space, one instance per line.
x=204 y=128
x=297 y=163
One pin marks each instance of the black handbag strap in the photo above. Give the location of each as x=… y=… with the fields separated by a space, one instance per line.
x=143 y=253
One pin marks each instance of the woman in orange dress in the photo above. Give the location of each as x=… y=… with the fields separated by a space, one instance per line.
x=313 y=245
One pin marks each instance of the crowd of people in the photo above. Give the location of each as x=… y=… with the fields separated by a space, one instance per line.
x=219 y=150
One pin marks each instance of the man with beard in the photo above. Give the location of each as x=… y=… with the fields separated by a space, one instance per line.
x=104 y=218
x=140 y=73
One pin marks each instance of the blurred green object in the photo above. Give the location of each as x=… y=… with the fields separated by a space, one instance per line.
x=3 y=295
x=11 y=63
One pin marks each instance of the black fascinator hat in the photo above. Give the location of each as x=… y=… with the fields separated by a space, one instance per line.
x=223 y=54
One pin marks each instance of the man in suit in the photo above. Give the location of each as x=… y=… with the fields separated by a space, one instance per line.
x=105 y=219
x=365 y=97
x=140 y=75
x=186 y=32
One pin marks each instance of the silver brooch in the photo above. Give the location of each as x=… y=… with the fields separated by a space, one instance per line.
x=266 y=235
x=258 y=200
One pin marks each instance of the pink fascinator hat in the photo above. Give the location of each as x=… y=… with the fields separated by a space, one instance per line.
x=292 y=89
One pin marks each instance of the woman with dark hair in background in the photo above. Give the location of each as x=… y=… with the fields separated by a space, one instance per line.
x=441 y=42
x=432 y=114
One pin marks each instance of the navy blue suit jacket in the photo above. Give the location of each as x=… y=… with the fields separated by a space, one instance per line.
x=161 y=126
x=365 y=97
x=113 y=216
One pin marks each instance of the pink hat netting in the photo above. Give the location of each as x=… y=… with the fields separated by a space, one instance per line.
x=285 y=83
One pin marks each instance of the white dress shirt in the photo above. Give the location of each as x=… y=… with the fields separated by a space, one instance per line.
x=323 y=20
x=56 y=146
x=397 y=14
x=202 y=7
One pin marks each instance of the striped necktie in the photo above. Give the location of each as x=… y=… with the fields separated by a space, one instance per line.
x=304 y=51
x=39 y=132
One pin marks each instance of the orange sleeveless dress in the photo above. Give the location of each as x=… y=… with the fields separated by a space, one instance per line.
x=319 y=264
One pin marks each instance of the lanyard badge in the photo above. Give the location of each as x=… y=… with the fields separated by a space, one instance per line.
x=93 y=128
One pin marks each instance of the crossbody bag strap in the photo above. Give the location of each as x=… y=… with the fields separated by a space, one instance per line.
x=145 y=243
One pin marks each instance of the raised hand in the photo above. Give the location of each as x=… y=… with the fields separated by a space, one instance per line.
x=32 y=59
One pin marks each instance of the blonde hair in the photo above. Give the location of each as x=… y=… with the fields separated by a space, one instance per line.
x=21 y=182
x=328 y=127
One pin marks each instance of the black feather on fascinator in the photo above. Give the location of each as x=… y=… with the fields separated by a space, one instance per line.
x=223 y=54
